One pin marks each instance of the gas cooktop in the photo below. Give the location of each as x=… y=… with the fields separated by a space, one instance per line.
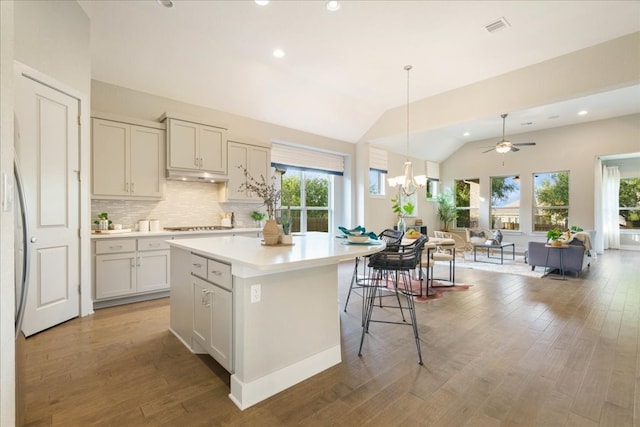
x=198 y=228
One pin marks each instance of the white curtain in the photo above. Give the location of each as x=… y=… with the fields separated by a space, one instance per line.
x=610 y=207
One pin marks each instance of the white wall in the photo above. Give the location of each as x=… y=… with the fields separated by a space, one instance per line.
x=108 y=98
x=605 y=66
x=573 y=148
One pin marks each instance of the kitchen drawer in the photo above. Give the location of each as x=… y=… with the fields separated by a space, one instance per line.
x=112 y=246
x=219 y=273
x=199 y=266
x=152 y=244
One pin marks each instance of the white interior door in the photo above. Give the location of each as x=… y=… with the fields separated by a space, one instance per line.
x=47 y=150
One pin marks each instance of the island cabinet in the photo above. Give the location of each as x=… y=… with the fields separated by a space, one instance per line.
x=212 y=309
x=281 y=309
x=196 y=147
x=128 y=160
x=130 y=268
x=256 y=159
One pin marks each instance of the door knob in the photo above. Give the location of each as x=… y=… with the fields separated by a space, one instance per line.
x=33 y=240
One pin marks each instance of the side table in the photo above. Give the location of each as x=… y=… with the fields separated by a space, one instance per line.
x=547 y=269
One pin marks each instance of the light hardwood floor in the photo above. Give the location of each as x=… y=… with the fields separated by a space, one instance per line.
x=510 y=351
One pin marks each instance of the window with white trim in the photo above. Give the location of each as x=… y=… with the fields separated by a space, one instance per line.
x=378 y=165
x=505 y=202
x=551 y=201
x=467 y=201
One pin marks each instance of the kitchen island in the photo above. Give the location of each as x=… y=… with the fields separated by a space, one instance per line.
x=268 y=314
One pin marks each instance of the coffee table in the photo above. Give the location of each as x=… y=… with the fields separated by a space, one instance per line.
x=500 y=246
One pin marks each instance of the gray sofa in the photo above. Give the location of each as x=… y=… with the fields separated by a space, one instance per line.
x=575 y=257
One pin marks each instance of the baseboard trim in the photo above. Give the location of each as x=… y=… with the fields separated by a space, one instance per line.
x=248 y=394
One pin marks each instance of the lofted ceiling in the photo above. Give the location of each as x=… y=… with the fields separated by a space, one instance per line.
x=343 y=70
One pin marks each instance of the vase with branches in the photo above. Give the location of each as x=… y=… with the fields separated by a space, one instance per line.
x=267 y=191
x=270 y=195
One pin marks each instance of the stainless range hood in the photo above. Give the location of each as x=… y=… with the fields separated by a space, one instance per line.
x=180 y=175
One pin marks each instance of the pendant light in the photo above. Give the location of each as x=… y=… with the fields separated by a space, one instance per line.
x=408 y=182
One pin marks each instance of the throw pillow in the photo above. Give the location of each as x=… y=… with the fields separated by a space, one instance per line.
x=476 y=234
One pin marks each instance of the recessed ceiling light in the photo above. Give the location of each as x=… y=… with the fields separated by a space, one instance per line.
x=466 y=134
x=332 y=6
x=166 y=3
x=583 y=113
x=262 y=2
x=278 y=53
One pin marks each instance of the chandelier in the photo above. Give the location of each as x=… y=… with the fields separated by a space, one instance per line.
x=407 y=181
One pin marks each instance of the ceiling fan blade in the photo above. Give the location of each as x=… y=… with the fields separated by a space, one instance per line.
x=525 y=143
x=514 y=149
x=491 y=149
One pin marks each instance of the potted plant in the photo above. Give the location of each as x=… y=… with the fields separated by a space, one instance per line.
x=576 y=229
x=103 y=222
x=270 y=195
x=401 y=210
x=258 y=217
x=447 y=212
x=553 y=237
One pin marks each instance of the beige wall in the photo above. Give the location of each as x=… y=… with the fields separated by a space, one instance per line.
x=108 y=98
x=573 y=148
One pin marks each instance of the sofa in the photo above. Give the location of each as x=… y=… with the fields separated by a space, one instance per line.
x=575 y=258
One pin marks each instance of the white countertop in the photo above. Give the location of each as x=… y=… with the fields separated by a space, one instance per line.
x=169 y=234
x=311 y=249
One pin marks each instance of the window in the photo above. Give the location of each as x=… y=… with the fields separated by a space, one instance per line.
x=378 y=165
x=550 y=201
x=308 y=193
x=629 y=195
x=377 y=180
x=467 y=201
x=505 y=202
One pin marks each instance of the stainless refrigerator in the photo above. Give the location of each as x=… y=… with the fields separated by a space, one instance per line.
x=21 y=263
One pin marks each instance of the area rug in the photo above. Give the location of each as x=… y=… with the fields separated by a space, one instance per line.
x=510 y=266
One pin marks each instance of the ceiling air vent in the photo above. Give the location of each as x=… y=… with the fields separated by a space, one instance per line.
x=497 y=25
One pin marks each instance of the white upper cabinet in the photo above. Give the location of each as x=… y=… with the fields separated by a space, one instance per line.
x=127 y=160
x=256 y=159
x=196 y=147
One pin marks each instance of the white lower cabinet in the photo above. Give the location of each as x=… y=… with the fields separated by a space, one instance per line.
x=129 y=267
x=213 y=309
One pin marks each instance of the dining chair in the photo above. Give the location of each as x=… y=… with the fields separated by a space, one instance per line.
x=398 y=265
x=393 y=240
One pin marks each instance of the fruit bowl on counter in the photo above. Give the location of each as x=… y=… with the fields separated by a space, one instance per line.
x=411 y=234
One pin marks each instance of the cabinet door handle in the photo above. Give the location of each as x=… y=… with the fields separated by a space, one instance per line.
x=132 y=190
x=197 y=265
x=216 y=272
x=154 y=245
x=115 y=247
x=206 y=300
x=126 y=187
x=195 y=161
x=201 y=162
x=139 y=261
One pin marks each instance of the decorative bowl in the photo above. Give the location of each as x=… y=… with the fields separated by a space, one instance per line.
x=360 y=238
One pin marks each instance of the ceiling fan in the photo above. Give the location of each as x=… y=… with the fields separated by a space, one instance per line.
x=504 y=146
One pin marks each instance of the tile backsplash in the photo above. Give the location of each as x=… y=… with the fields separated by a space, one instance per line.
x=185 y=204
